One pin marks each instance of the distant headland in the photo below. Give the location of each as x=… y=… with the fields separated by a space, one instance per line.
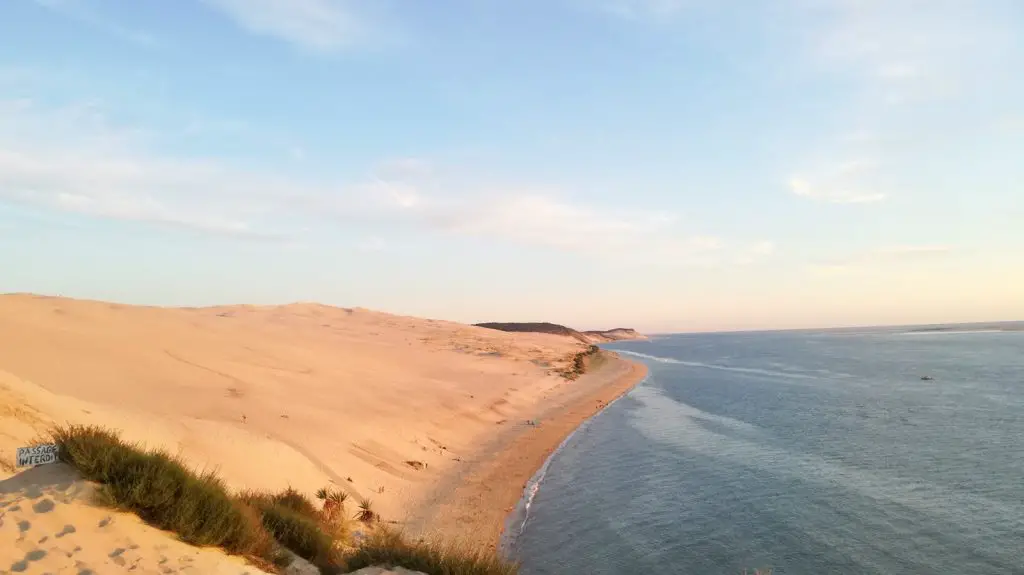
x=616 y=334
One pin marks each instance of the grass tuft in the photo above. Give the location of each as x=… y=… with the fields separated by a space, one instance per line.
x=158 y=487
x=301 y=533
x=296 y=501
x=387 y=548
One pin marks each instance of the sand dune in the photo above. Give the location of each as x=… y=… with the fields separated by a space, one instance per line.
x=302 y=395
x=427 y=418
x=47 y=525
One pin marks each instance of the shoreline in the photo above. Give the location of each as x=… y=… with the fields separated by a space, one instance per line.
x=474 y=503
x=521 y=513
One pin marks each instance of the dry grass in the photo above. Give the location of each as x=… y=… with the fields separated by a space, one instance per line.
x=294 y=522
x=164 y=492
x=387 y=548
x=581 y=361
x=160 y=489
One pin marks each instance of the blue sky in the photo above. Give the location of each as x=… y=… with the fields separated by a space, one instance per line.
x=664 y=164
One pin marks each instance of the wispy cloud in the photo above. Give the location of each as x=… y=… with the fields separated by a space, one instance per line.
x=912 y=72
x=372 y=244
x=837 y=195
x=900 y=255
x=318 y=25
x=847 y=183
x=75 y=159
x=912 y=49
x=638 y=9
x=82 y=12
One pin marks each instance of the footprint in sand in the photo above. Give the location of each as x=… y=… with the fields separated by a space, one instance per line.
x=22 y=566
x=23 y=526
x=116 y=556
x=68 y=530
x=44 y=506
x=105 y=521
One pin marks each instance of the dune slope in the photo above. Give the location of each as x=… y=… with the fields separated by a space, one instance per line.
x=48 y=525
x=303 y=395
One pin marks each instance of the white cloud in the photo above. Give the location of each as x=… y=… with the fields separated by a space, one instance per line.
x=806 y=189
x=763 y=248
x=74 y=159
x=80 y=11
x=910 y=252
x=848 y=182
x=530 y=217
x=755 y=252
x=912 y=71
x=899 y=71
x=372 y=244
x=900 y=255
x=319 y=25
x=636 y=9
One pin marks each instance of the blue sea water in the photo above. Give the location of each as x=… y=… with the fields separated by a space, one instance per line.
x=800 y=452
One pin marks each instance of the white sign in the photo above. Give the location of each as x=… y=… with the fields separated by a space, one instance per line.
x=37 y=455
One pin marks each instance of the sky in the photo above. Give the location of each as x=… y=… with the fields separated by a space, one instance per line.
x=669 y=165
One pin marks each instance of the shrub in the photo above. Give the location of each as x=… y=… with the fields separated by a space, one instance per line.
x=579 y=363
x=296 y=501
x=296 y=530
x=387 y=548
x=302 y=535
x=332 y=515
x=163 y=492
x=366 y=514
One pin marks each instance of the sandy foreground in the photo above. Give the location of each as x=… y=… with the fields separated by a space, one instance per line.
x=426 y=418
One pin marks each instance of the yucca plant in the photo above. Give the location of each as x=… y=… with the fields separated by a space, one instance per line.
x=366 y=514
x=332 y=515
x=332 y=497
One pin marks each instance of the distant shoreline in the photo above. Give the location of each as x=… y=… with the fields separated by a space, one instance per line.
x=473 y=503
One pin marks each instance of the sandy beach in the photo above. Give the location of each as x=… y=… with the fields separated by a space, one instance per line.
x=426 y=418
x=472 y=504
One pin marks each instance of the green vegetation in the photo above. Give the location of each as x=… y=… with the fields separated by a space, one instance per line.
x=158 y=487
x=164 y=492
x=580 y=362
x=387 y=548
x=535 y=327
x=366 y=514
x=294 y=522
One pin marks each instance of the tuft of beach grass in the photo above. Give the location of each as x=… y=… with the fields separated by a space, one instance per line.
x=197 y=506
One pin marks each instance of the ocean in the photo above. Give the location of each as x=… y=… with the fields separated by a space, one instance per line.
x=799 y=452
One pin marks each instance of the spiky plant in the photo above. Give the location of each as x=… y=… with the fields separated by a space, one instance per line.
x=366 y=514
